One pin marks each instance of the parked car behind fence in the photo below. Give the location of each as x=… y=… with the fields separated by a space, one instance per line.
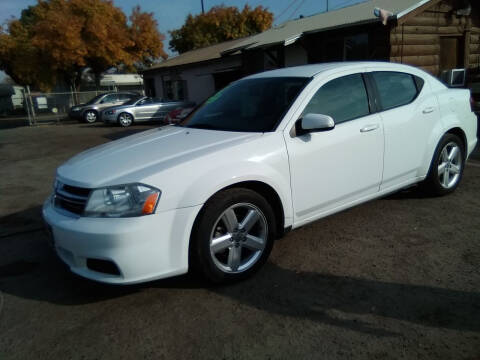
x=91 y=110
x=142 y=109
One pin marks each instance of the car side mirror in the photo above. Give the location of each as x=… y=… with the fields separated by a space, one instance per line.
x=314 y=123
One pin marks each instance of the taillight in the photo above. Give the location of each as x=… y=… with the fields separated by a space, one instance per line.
x=472 y=103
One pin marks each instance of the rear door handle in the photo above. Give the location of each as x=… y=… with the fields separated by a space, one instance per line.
x=369 y=128
x=428 y=110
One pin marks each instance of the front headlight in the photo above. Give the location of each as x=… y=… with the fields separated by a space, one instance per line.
x=122 y=201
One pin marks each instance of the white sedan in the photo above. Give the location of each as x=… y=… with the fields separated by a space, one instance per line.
x=269 y=153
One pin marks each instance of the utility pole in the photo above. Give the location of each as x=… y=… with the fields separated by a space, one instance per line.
x=327 y=5
x=203 y=9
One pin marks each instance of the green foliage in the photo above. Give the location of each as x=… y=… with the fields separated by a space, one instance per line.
x=55 y=39
x=219 y=24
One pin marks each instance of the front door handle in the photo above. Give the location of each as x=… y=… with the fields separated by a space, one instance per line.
x=369 y=128
x=428 y=110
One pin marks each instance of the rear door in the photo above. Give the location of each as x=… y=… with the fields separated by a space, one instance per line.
x=408 y=113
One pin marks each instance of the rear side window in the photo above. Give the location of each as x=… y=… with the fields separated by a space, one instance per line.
x=396 y=89
x=124 y=96
x=343 y=99
x=110 y=98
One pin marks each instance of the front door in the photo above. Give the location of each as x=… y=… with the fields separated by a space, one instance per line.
x=337 y=167
x=145 y=110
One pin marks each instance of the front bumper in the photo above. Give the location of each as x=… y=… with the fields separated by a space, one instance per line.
x=142 y=248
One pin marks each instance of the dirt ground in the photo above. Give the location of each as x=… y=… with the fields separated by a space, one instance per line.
x=396 y=278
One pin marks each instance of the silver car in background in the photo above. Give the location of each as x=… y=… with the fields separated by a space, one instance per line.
x=142 y=109
x=90 y=111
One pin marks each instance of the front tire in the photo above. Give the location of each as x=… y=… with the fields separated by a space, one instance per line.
x=447 y=166
x=90 y=116
x=125 y=119
x=233 y=236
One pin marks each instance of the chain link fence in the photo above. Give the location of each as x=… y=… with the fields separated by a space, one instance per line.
x=31 y=108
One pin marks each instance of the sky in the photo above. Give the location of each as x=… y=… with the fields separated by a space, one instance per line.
x=171 y=14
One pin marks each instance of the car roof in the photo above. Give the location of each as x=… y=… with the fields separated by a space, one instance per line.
x=316 y=69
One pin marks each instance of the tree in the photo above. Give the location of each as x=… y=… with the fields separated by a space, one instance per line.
x=219 y=24
x=56 y=39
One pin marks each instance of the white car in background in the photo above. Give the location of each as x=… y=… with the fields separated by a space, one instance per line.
x=269 y=153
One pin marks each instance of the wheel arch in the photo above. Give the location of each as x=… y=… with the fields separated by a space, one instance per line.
x=463 y=137
x=125 y=112
x=454 y=131
x=263 y=189
x=270 y=195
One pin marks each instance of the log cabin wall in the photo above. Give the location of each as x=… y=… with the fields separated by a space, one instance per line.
x=435 y=38
x=474 y=48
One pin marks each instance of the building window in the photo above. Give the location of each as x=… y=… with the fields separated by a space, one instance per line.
x=335 y=50
x=356 y=47
x=150 y=87
x=175 y=89
x=348 y=48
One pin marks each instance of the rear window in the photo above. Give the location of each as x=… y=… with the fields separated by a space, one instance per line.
x=396 y=89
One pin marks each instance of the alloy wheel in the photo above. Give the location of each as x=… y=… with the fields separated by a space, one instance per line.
x=450 y=165
x=125 y=119
x=91 y=116
x=238 y=238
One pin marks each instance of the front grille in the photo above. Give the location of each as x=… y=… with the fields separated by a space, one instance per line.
x=71 y=198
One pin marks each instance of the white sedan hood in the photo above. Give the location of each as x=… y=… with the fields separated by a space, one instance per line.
x=135 y=157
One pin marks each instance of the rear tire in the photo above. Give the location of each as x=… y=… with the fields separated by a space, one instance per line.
x=446 y=169
x=233 y=236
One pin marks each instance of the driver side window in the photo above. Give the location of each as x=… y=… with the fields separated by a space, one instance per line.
x=343 y=99
x=145 y=101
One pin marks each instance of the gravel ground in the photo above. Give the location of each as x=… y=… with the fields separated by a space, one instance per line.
x=396 y=278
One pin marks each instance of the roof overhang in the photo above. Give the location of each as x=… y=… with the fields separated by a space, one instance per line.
x=358 y=23
x=292 y=39
x=237 y=48
x=412 y=8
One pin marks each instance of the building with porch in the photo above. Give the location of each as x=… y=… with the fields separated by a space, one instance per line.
x=435 y=35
